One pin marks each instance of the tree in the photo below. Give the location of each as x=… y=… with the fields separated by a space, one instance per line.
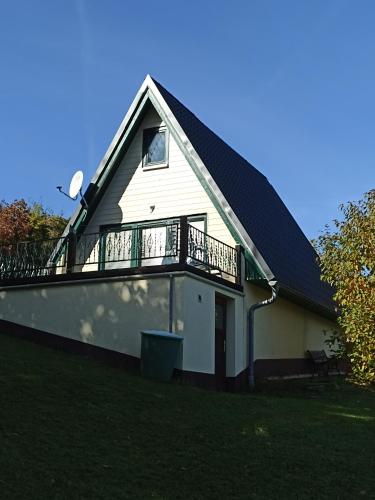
x=45 y=224
x=14 y=221
x=20 y=221
x=347 y=259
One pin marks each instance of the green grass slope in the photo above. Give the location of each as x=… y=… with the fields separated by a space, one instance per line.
x=71 y=428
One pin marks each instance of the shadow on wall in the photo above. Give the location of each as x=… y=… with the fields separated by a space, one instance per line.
x=106 y=314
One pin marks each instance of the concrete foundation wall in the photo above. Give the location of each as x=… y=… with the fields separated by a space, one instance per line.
x=111 y=314
x=107 y=314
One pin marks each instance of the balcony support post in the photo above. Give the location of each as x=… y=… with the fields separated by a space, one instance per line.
x=71 y=251
x=240 y=277
x=184 y=239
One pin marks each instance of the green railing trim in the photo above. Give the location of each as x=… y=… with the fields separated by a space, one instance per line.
x=251 y=269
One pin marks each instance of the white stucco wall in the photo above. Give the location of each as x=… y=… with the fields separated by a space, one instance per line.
x=111 y=314
x=107 y=314
x=197 y=308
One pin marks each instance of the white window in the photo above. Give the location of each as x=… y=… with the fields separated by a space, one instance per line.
x=155 y=148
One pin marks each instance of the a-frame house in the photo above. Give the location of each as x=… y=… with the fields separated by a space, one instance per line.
x=178 y=232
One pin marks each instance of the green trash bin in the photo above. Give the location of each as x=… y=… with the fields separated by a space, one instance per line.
x=159 y=352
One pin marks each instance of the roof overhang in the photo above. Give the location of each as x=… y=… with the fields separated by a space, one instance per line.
x=296 y=297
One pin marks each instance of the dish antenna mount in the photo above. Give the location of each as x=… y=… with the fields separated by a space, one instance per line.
x=75 y=188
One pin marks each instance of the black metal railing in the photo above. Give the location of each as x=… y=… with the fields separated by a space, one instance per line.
x=29 y=259
x=134 y=246
x=211 y=254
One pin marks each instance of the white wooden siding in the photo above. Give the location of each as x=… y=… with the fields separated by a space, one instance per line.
x=174 y=191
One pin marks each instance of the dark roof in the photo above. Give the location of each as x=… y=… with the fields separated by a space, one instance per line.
x=255 y=202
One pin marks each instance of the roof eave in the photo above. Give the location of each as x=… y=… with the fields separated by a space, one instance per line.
x=299 y=299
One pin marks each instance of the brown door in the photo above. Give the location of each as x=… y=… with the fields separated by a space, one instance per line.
x=220 y=342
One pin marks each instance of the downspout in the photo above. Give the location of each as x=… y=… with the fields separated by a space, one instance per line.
x=274 y=288
x=171 y=294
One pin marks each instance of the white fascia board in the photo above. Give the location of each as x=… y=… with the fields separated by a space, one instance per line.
x=115 y=141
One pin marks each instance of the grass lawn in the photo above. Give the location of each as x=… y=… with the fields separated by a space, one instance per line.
x=72 y=428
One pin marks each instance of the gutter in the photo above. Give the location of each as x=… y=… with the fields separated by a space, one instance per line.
x=274 y=289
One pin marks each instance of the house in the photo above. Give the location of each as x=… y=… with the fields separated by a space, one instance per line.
x=176 y=232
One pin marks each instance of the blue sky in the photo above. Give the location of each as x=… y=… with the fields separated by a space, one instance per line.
x=288 y=84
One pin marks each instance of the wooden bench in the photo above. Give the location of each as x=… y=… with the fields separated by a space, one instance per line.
x=321 y=361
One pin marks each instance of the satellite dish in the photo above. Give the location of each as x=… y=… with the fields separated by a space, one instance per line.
x=75 y=188
x=76 y=184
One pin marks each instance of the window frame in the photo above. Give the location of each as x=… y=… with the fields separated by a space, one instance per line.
x=158 y=164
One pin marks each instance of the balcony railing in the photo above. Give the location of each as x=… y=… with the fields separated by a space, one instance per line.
x=29 y=259
x=211 y=254
x=130 y=247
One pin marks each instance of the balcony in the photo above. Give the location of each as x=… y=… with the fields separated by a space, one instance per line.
x=156 y=247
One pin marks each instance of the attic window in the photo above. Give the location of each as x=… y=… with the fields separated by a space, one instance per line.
x=154 y=147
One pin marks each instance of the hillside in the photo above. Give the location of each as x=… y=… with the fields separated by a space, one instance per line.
x=74 y=428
